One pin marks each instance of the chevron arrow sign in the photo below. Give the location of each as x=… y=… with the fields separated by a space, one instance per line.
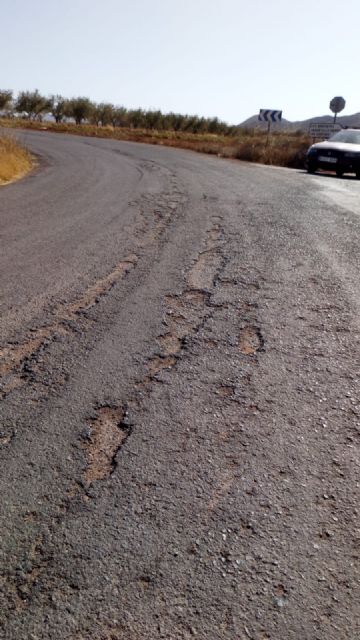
x=270 y=115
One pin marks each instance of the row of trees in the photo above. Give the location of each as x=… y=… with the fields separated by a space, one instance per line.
x=32 y=105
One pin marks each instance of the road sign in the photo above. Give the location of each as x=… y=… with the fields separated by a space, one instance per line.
x=337 y=104
x=270 y=115
x=323 y=130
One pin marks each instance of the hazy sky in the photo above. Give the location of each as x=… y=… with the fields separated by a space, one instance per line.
x=224 y=58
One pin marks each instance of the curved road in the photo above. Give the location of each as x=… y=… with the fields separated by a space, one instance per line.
x=180 y=413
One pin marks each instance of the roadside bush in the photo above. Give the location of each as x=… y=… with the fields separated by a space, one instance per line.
x=249 y=152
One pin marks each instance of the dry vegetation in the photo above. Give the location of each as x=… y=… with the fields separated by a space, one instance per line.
x=15 y=161
x=82 y=116
x=285 y=149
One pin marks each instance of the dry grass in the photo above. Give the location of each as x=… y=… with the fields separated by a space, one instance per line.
x=15 y=161
x=284 y=149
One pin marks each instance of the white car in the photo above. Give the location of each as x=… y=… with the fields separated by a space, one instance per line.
x=341 y=153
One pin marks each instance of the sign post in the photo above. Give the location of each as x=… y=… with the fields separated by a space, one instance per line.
x=269 y=116
x=337 y=104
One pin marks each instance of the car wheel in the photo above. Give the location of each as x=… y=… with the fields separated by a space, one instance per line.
x=311 y=167
x=339 y=173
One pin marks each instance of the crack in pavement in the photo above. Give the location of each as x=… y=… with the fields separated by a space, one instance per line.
x=18 y=360
x=155 y=216
x=108 y=429
x=186 y=312
x=14 y=357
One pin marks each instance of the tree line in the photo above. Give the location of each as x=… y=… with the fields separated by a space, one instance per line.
x=34 y=106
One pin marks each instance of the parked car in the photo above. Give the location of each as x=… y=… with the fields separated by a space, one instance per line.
x=341 y=153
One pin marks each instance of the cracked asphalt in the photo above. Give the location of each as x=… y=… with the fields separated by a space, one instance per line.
x=180 y=411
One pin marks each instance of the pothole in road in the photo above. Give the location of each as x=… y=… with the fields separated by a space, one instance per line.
x=209 y=262
x=158 y=363
x=170 y=344
x=214 y=236
x=184 y=315
x=187 y=311
x=102 y=286
x=226 y=390
x=188 y=297
x=202 y=274
x=13 y=357
x=156 y=216
x=107 y=433
x=250 y=340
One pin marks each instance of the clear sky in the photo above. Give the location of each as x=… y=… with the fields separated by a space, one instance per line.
x=224 y=58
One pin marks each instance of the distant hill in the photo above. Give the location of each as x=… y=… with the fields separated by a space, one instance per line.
x=303 y=125
x=254 y=123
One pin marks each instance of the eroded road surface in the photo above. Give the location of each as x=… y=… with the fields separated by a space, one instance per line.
x=180 y=412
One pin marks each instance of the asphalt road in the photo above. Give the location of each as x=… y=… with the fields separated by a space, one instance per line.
x=180 y=413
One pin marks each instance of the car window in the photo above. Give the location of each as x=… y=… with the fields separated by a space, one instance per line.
x=352 y=137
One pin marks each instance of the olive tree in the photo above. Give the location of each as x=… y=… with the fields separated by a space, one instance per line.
x=102 y=114
x=80 y=109
x=58 y=107
x=120 y=117
x=32 y=103
x=136 y=118
x=5 y=99
x=153 y=119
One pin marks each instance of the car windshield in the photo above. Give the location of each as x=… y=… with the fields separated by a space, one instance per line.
x=352 y=137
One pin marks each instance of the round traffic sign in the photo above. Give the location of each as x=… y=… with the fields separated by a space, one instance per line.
x=337 y=104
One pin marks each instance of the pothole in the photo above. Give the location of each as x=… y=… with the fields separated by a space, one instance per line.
x=215 y=235
x=158 y=363
x=226 y=390
x=170 y=344
x=102 y=286
x=107 y=432
x=5 y=438
x=194 y=298
x=13 y=356
x=186 y=312
x=250 y=340
x=203 y=272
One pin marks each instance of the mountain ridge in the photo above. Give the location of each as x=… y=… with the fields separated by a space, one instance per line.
x=352 y=120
